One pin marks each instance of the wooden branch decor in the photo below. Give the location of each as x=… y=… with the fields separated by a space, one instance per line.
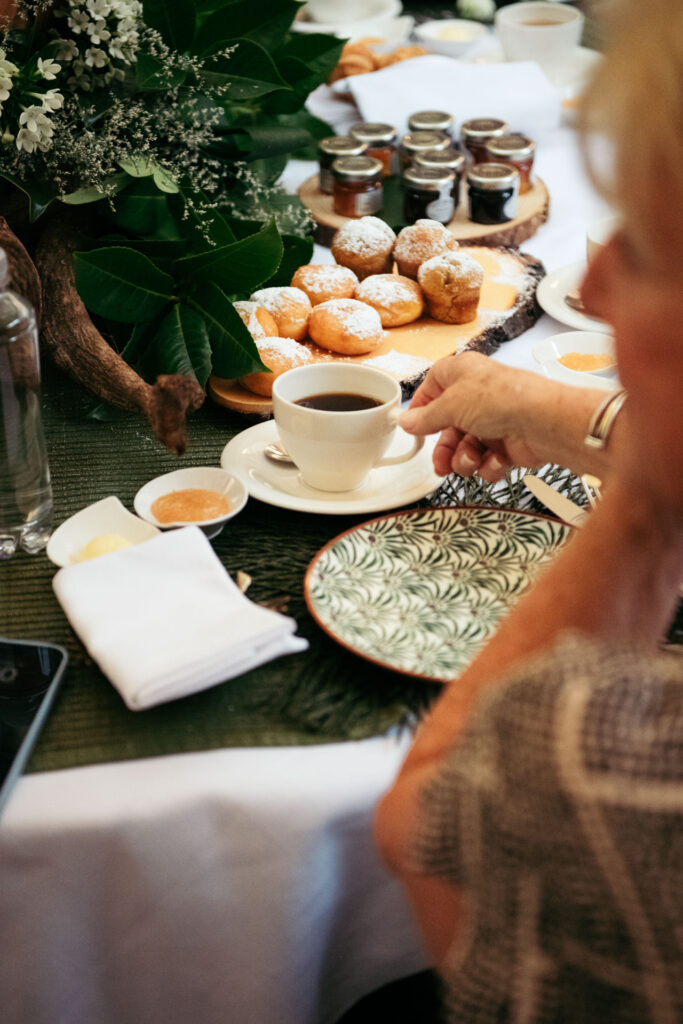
x=78 y=347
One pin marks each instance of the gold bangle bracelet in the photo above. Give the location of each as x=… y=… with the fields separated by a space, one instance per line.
x=602 y=420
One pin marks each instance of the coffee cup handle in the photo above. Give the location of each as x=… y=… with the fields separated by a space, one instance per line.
x=393 y=460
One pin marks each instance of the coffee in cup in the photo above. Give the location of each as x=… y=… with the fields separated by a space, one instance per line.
x=337 y=420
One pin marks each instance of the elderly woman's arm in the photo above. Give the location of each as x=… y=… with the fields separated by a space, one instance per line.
x=492 y=417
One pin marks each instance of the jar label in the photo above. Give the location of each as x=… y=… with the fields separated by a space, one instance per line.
x=368 y=202
x=509 y=210
x=443 y=208
x=326 y=180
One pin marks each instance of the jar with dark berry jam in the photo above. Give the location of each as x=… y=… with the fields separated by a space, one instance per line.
x=517 y=150
x=428 y=194
x=444 y=159
x=476 y=133
x=419 y=142
x=432 y=121
x=357 y=188
x=328 y=151
x=380 y=143
x=493 y=192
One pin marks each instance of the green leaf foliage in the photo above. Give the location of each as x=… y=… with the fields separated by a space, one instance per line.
x=121 y=284
x=249 y=72
x=297 y=251
x=181 y=343
x=265 y=20
x=173 y=19
x=145 y=211
x=237 y=268
x=233 y=352
x=38 y=194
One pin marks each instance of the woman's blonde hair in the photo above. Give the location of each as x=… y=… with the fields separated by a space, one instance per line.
x=635 y=100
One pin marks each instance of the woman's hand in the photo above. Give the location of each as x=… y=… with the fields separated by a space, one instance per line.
x=492 y=417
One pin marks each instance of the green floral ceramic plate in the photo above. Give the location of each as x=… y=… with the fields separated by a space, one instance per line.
x=421 y=591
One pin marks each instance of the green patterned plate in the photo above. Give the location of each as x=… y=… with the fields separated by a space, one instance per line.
x=421 y=591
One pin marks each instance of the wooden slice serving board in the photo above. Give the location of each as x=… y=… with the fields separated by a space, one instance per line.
x=532 y=211
x=507 y=308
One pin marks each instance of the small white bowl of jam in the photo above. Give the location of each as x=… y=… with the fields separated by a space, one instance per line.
x=98 y=529
x=583 y=358
x=452 y=37
x=203 y=496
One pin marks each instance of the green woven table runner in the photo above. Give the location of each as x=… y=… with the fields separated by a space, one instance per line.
x=323 y=695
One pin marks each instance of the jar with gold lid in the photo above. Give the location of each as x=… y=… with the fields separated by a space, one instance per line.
x=492 y=192
x=432 y=121
x=357 y=190
x=419 y=142
x=444 y=159
x=477 y=132
x=328 y=150
x=517 y=150
x=428 y=194
x=380 y=142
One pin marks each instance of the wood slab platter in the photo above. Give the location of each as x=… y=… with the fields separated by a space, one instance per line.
x=532 y=211
x=507 y=308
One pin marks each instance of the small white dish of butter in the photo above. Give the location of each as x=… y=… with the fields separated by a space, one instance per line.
x=98 y=529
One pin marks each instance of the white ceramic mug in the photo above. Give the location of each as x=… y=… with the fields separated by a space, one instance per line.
x=335 y=451
x=546 y=33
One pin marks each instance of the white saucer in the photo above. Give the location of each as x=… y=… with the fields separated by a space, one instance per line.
x=278 y=484
x=552 y=290
x=388 y=24
x=549 y=351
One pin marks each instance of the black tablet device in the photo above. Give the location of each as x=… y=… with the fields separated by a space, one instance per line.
x=30 y=674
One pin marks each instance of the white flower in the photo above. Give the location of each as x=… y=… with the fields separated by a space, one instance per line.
x=26 y=140
x=67 y=49
x=98 y=32
x=49 y=69
x=52 y=100
x=35 y=120
x=96 y=58
x=115 y=48
x=7 y=67
x=99 y=8
x=5 y=88
x=77 y=21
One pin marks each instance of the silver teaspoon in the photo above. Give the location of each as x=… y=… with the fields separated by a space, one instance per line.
x=277 y=453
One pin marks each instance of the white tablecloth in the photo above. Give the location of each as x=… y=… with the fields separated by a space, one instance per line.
x=230 y=886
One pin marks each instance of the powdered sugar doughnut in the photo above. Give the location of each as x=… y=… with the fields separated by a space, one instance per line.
x=397 y=299
x=346 y=326
x=364 y=246
x=452 y=285
x=289 y=307
x=419 y=242
x=257 y=319
x=278 y=354
x=325 y=281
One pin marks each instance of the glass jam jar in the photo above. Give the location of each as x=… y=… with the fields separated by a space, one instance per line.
x=432 y=121
x=493 y=192
x=328 y=151
x=357 y=190
x=428 y=194
x=477 y=132
x=517 y=150
x=419 y=142
x=444 y=159
x=380 y=143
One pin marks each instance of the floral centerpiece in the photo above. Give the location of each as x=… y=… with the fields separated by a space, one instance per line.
x=140 y=146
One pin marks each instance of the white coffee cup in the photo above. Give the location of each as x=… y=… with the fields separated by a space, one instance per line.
x=600 y=232
x=333 y=450
x=544 y=32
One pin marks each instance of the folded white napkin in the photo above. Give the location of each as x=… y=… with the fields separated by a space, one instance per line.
x=518 y=92
x=163 y=619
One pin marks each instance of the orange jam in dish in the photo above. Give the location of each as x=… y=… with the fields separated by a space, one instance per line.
x=191 y=505
x=586 y=362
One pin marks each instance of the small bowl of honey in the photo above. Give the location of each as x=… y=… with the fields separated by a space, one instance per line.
x=582 y=358
x=203 y=496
